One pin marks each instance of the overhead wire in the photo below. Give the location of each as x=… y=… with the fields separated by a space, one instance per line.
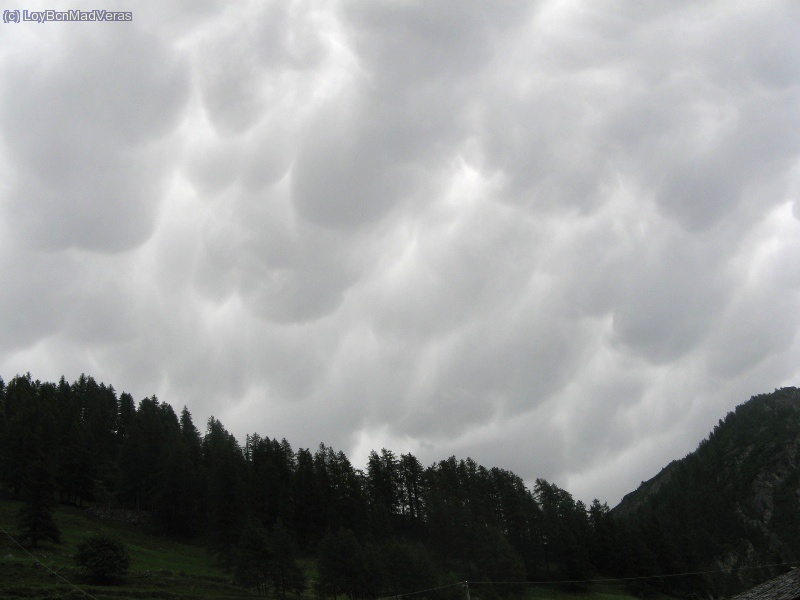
x=603 y=580
x=38 y=562
x=467 y=583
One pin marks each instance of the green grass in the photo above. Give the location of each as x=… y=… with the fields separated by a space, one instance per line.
x=160 y=567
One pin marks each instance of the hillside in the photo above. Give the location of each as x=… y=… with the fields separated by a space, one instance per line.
x=166 y=569
x=734 y=503
x=161 y=568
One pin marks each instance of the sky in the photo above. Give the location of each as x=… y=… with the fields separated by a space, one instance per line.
x=559 y=237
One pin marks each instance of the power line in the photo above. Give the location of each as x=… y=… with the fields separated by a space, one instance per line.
x=441 y=587
x=640 y=577
x=38 y=562
x=465 y=584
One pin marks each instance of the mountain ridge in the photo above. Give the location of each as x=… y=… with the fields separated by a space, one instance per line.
x=735 y=500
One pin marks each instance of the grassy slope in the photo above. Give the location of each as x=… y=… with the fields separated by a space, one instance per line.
x=160 y=568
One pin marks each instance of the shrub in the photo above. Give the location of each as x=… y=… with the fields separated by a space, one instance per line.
x=104 y=558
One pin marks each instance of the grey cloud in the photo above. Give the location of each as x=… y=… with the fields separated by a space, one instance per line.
x=213 y=166
x=99 y=312
x=514 y=444
x=498 y=370
x=342 y=175
x=249 y=63
x=364 y=156
x=463 y=259
x=282 y=271
x=403 y=46
x=756 y=328
x=80 y=126
x=669 y=115
x=178 y=18
x=253 y=160
x=761 y=320
x=32 y=303
x=231 y=81
x=727 y=153
x=367 y=150
x=307 y=291
x=555 y=237
x=669 y=301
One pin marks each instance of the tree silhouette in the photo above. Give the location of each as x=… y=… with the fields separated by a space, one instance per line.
x=38 y=494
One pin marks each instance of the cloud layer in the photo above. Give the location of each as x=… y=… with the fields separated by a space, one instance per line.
x=558 y=237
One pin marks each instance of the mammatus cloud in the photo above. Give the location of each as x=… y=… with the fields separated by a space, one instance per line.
x=559 y=238
x=83 y=129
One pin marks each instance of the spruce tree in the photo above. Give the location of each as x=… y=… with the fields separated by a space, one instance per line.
x=252 y=558
x=38 y=494
x=341 y=566
x=227 y=493
x=285 y=573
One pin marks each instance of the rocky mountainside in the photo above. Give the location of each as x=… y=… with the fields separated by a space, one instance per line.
x=734 y=503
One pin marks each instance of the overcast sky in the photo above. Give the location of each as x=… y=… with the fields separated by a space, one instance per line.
x=562 y=238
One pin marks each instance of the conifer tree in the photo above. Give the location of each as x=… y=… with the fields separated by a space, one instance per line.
x=308 y=516
x=253 y=555
x=192 y=436
x=285 y=574
x=227 y=493
x=342 y=566
x=3 y=427
x=38 y=494
x=175 y=492
x=410 y=472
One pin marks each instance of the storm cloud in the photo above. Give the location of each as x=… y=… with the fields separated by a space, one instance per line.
x=560 y=237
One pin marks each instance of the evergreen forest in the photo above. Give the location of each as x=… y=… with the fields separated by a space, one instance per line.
x=265 y=511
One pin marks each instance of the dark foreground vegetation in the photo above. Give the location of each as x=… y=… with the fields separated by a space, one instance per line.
x=286 y=522
x=161 y=568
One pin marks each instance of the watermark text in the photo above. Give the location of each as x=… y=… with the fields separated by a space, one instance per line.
x=65 y=16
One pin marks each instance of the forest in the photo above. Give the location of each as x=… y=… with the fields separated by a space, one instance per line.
x=262 y=508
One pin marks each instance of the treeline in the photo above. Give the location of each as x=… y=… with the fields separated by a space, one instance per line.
x=261 y=506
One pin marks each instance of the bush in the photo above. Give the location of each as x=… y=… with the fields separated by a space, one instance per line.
x=104 y=558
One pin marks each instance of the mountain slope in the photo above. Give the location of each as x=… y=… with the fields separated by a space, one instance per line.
x=734 y=503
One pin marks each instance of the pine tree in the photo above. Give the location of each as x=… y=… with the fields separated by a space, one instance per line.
x=284 y=572
x=175 y=508
x=268 y=562
x=308 y=516
x=253 y=555
x=74 y=472
x=342 y=566
x=38 y=494
x=227 y=492
x=410 y=472
x=192 y=436
x=4 y=429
